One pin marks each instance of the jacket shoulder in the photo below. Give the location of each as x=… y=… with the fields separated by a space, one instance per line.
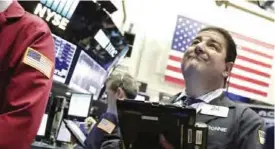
x=246 y=113
x=33 y=22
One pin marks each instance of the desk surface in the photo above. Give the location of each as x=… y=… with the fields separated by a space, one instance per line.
x=41 y=145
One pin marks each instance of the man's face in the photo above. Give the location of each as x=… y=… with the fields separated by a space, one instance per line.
x=206 y=55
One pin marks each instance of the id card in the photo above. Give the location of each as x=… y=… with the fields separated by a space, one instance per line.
x=214 y=110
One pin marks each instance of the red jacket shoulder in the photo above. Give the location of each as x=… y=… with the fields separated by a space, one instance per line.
x=33 y=22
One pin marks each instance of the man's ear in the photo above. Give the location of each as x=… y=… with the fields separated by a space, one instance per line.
x=228 y=68
x=120 y=93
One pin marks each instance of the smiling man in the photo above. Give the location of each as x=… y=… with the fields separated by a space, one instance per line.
x=207 y=64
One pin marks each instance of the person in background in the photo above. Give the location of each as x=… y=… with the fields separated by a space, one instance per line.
x=87 y=126
x=206 y=66
x=118 y=87
x=27 y=61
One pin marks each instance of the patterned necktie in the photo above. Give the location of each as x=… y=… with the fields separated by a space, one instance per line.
x=187 y=101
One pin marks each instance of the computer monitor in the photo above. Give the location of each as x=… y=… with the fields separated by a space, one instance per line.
x=43 y=125
x=78 y=23
x=142 y=97
x=64 y=134
x=87 y=76
x=80 y=105
x=142 y=123
x=64 y=54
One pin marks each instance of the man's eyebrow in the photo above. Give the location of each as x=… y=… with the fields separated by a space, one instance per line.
x=198 y=38
x=213 y=40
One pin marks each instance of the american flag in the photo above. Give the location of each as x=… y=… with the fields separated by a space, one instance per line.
x=251 y=74
x=106 y=125
x=38 y=61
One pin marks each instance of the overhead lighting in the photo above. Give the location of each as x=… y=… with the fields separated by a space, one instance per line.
x=267 y=5
x=68 y=93
x=251 y=8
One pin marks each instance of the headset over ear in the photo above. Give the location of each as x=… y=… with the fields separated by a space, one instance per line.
x=228 y=68
x=226 y=73
x=120 y=89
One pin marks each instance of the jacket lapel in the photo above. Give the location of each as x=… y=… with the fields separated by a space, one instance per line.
x=173 y=99
x=222 y=100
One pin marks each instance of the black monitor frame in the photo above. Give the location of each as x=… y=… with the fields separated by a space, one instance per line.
x=141 y=123
x=78 y=53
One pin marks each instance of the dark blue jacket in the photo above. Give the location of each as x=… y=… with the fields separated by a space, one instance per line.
x=100 y=139
x=269 y=142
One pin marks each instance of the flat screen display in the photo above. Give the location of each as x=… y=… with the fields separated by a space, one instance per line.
x=64 y=134
x=43 y=125
x=64 y=54
x=88 y=76
x=80 y=105
x=83 y=23
x=140 y=98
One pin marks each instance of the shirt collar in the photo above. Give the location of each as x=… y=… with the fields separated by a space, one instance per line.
x=208 y=96
x=13 y=11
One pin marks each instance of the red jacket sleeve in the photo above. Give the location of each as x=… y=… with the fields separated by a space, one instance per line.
x=27 y=92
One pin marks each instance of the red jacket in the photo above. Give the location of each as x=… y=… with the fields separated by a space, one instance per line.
x=26 y=68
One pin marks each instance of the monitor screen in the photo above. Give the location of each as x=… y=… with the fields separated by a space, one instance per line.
x=43 y=125
x=107 y=46
x=64 y=134
x=80 y=105
x=88 y=76
x=140 y=98
x=83 y=23
x=64 y=54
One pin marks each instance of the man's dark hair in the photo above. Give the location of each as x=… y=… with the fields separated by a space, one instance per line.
x=231 y=51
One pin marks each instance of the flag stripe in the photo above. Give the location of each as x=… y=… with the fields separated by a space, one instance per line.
x=246 y=94
x=253 y=46
x=253 y=56
x=251 y=75
x=252 y=70
x=256 y=52
x=244 y=78
x=175 y=69
x=261 y=43
x=258 y=72
x=240 y=87
x=174 y=58
x=176 y=53
x=173 y=63
x=174 y=74
x=254 y=61
x=248 y=85
x=172 y=79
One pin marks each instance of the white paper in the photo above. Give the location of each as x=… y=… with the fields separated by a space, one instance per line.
x=76 y=131
x=43 y=125
x=140 y=98
x=64 y=134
